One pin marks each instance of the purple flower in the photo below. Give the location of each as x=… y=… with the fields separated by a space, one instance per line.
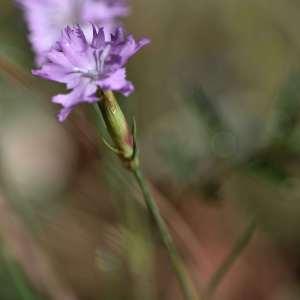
x=46 y=18
x=87 y=64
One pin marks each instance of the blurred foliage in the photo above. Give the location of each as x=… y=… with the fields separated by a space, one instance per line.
x=217 y=107
x=14 y=284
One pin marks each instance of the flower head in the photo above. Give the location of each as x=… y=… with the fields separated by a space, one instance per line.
x=46 y=18
x=87 y=64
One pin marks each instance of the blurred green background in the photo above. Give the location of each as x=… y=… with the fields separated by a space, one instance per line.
x=217 y=108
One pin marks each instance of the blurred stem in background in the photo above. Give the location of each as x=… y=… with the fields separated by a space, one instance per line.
x=17 y=277
x=27 y=255
x=14 y=72
x=125 y=147
x=236 y=251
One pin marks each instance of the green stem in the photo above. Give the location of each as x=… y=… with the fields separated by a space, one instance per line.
x=125 y=147
x=178 y=266
x=238 y=247
x=18 y=280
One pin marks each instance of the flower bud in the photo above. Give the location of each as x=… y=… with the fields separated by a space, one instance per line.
x=118 y=128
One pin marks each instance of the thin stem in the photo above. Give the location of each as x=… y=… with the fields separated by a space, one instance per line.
x=125 y=143
x=18 y=280
x=14 y=72
x=178 y=266
x=238 y=247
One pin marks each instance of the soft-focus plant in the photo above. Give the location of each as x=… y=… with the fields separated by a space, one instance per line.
x=93 y=69
x=81 y=44
x=91 y=61
x=46 y=19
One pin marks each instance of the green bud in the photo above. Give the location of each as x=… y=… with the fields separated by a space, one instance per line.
x=118 y=128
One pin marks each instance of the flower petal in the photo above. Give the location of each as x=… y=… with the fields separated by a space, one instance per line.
x=84 y=92
x=64 y=113
x=98 y=37
x=117 y=82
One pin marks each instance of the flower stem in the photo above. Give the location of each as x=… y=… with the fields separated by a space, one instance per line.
x=238 y=247
x=178 y=266
x=125 y=146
